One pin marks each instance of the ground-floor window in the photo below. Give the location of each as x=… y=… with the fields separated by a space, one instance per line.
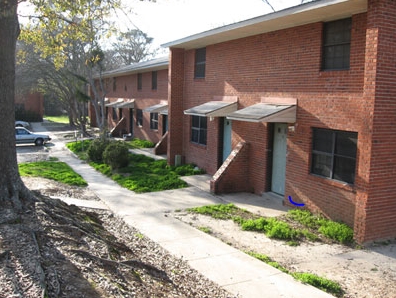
x=114 y=114
x=139 y=117
x=334 y=154
x=199 y=129
x=154 y=120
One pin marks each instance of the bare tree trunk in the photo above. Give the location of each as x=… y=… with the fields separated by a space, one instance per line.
x=12 y=189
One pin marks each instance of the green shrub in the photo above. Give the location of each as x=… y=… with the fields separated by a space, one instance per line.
x=337 y=231
x=96 y=149
x=116 y=155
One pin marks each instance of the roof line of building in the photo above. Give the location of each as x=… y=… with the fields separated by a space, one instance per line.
x=149 y=65
x=315 y=11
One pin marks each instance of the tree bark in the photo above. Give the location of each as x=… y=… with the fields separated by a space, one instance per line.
x=12 y=190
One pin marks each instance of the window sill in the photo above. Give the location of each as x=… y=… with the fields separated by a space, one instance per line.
x=202 y=146
x=332 y=182
x=334 y=72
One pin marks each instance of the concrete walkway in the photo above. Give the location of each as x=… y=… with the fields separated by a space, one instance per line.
x=238 y=273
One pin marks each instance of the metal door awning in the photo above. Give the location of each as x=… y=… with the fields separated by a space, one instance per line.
x=156 y=108
x=113 y=104
x=126 y=104
x=266 y=112
x=213 y=109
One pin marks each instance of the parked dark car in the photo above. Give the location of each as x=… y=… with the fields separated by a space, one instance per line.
x=24 y=136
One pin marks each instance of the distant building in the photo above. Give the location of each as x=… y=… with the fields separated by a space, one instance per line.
x=137 y=101
x=30 y=105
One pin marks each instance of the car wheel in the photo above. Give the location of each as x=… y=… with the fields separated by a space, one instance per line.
x=39 y=142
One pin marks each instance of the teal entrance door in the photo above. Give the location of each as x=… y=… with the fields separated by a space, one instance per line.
x=227 y=129
x=279 y=158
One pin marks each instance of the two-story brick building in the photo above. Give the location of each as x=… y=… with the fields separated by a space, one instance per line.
x=136 y=101
x=300 y=102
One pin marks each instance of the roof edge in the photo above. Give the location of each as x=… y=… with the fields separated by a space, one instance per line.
x=293 y=15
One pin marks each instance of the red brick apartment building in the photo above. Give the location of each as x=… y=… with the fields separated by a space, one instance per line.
x=30 y=102
x=300 y=102
x=137 y=100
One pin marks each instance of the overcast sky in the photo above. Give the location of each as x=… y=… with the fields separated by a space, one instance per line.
x=168 y=20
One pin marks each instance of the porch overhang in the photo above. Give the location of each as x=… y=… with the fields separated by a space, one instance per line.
x=266 y=112
x=156 y=108
x=113 y=104
x=126 y=104
x=213 y=109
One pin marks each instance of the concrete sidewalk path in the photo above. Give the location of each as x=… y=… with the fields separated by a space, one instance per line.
x=238 y=273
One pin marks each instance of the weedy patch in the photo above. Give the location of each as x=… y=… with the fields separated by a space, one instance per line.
x=296 y=226
x=319 y=282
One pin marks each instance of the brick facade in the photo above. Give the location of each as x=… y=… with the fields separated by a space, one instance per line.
x=286 y=63
x=33 y=102
x=125 y=86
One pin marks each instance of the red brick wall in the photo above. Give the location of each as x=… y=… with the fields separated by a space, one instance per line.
x=376 y=210
x=286 y=63
x=32 y=102
x=176 y=101
x=126 y=87
x=234 y=168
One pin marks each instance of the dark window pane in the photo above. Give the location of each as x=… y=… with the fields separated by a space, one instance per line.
x=346 y=144
x=198 y=129
x=139 y=81
x=344 y=169
x=154 y=80
x=204 y=122
x=321 y=165
x=195 y=136
x=200 y=63
x=195 y=121
x=323 y=140
x=336 y=44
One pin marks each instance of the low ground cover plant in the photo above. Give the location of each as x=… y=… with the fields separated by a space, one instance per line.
x=52 y=169
x=336 y=231
x=310 y=227
x=135 y=172
x=319 y=282
x=137 y=144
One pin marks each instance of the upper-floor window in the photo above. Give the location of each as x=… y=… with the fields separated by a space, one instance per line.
x=200 y=63
x=139 y=117
x=334 y=154
x=139 y=81
x=336 y=44
x=154 y=80
x=199 y=129
x=114 y=84
x=153 y=120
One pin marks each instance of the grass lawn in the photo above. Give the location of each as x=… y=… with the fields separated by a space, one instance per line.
x=64 y=119
x=143 y=174
x=53 y=169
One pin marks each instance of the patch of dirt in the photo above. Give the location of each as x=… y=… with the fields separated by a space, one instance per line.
x=362 y=273
x=56 y=250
